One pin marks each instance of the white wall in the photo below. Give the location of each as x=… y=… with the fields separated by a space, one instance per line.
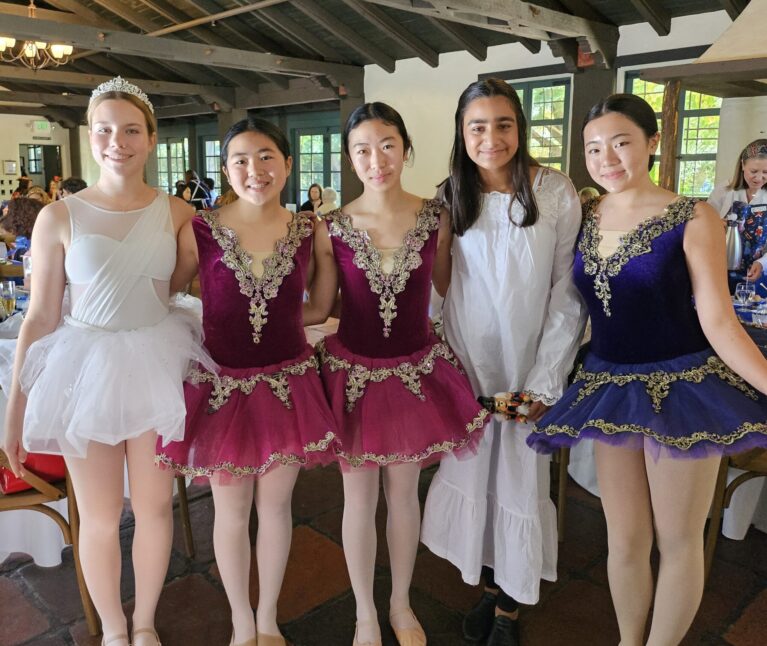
x=426 y=97
x=17 y=129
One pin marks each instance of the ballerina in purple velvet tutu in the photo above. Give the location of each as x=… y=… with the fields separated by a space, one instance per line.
x=665 y=379
x=397 y=392
x=265 y=414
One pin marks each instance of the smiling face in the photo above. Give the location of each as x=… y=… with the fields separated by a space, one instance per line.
x=490 y=134
x=119 y=137
x=617 y=152
x=377 y=153
x=755 y=173
x=255 y=167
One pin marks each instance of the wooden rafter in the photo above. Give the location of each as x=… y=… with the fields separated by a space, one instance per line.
x=519 y=19
x=346 y=35
x=655 y=14
x=395 y=31
x=304 y=37
x=461 y=36
x=168 y=49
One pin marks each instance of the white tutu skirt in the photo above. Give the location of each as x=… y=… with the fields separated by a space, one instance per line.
x=89 y=384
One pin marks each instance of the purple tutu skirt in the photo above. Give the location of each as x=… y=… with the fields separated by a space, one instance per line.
x=692 y=406
x=413 y=408
x=243 y=421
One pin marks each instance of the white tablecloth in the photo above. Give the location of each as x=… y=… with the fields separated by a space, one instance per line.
x=747 y=507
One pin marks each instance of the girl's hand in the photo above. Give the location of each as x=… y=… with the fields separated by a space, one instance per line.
x=535 y=411
x=13 y=447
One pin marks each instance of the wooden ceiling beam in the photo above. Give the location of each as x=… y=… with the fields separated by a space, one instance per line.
x=519 y=19
x=303 y=37
x=47 y=98
x=655 y=14
x=346 y=35
x=392 y=29
x=733 y=7
x=168 y=49
x=461 y=36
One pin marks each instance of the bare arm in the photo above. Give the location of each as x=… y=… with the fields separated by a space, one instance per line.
x=705 y=251
x=43 y=316
x=323 y=287
x=187 y=260
x=443 y=261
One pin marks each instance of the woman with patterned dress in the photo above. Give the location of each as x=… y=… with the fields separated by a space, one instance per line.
x=264 y=414
x=514 y=318
x=671 y=380
x=103 y=385
x=397 y=392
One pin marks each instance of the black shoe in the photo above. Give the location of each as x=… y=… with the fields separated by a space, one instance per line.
x=505 y=632
x=478 y=622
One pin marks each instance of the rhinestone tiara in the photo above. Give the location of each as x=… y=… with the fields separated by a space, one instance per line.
x=119 y=84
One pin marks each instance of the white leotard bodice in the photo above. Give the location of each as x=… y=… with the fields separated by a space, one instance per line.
x=119 y=264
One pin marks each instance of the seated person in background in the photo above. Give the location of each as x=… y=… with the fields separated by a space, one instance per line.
x=329 y=201
x=749 y=186
x=22 y=213
x=198 y=195
x=40 y=194
x=180 y=189
x=586 y=193
x=53 y=188
x=315 y=199
x=210 y=184
x=70 y=186
x=23 y=186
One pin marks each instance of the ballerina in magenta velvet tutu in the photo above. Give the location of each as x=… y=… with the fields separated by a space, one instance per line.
x=397 y=391
x=265 y=413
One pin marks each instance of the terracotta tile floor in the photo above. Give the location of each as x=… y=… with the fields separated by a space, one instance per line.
x=40 y=606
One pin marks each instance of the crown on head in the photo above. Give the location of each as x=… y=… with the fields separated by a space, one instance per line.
x=119 y=84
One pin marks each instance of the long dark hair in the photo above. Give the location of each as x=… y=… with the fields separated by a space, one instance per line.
x=462 y=190
x=632 y=107
x=382 y=112
x=261 y=126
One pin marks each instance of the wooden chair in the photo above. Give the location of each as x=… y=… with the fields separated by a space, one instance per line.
x=754 y=463
x=186 y=522
x=561 y=460
x=34 y=499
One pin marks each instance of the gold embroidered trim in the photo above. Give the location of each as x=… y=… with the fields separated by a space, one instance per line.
x=440 y=447
x=224 y=386
x=285 y=459
x=658 y=383
x=276 y=266
x=406 y=259
x=683 y=443
x=358 y=375
x=634 y=243
x=548 y=400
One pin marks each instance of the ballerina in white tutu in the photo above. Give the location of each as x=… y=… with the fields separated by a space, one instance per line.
x=100 y=386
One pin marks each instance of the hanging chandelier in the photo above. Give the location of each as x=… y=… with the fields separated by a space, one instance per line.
x=34 y=54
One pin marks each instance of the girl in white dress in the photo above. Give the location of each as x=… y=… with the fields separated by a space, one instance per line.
x=102 y=385
x=513 y=318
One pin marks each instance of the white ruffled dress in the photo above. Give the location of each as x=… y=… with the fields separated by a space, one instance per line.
x=514 y=319
x=115 y=367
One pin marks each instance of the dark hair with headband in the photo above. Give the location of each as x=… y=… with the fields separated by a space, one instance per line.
x=757 y=149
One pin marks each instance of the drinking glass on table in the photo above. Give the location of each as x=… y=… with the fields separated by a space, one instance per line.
x=745 y=293
x=8 y=296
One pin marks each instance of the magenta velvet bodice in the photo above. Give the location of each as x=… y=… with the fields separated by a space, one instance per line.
x=385 y=314
x=250 y=321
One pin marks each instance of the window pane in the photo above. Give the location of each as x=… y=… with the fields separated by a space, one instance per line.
x=335 y=162
x=317 y=143
x=305 y=143
x=317 y=163
x=695 y=177
x=335 y=142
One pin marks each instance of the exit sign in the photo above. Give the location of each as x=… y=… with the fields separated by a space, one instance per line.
x=41 y=127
